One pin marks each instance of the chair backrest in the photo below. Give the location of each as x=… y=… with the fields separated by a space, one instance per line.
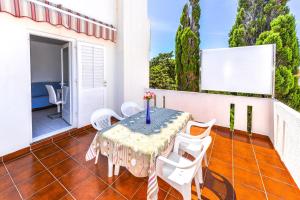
x=204 y=146
x=130 y=108
x=52 y=94
x=101 y=118
x=65 y=94
x=207 y=125
x=210 y=124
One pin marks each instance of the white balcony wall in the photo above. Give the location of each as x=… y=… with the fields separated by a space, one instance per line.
x=102 y=10
x=15 y=101
x=287 y=137
x=133 y=49
x=126 y=62
x=15 y=80
x=205 y=107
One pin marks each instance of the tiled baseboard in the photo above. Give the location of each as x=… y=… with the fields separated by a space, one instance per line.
x=41 y=143
x=74 y=131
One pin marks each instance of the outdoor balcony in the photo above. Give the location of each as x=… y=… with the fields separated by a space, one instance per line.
x=103 y=49
x=240 y=167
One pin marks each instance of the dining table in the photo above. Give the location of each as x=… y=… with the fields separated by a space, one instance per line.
x=135 y=145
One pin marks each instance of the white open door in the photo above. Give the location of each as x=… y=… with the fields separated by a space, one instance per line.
x=91 y=81
x=66 y=82
x=15 y=84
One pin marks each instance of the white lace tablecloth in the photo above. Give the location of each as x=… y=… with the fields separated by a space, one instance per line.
x=135 y=145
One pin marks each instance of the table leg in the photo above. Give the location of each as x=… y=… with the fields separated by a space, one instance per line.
x=97 y=156
x=117 y=170
x=110 y=168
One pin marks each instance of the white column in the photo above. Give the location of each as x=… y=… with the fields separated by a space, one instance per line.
x=133 y=48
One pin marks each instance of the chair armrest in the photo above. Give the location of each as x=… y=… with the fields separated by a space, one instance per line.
x=192 y=137
x=184 y=138
x=174 y=164
x=193 y=123
x=199 y=124
x=118 y=117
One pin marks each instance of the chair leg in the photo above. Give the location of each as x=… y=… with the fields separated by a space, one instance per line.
x=58 y=108
x=110 y=168
x=205 y=160
x=117 y=170
x=97 y=156
x=186 y=192
x=200 y=175
x=198 y=188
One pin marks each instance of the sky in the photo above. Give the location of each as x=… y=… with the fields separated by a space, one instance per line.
x=217 y=18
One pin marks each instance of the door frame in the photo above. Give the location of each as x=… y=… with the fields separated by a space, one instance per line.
x=73 y=82
x=68 y=46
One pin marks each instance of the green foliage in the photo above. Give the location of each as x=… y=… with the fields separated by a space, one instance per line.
x=184 y=19
x=162 y=72
x=254 y=17
x=249 y=119
x=293 y=98
x=283 y=34
x=261 y=22
x=284 y=81
x=231 y=119
x=188 y=48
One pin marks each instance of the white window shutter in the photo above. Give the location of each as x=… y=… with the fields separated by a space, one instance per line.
x=98 y=67
x=92 y=59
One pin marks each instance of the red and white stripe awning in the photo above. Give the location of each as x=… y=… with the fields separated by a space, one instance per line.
x=44 y=11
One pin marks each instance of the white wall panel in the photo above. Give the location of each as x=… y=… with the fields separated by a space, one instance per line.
x=15 y=101
x=205 y=107
x=287 y=138
x=133 y=48
x=45 y=62
x=242 y=69
x=103 y=10
x=15 y=108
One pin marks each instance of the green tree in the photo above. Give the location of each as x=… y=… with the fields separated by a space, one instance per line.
x=261 y=22
x=283 y=34
x=254 y=17
x=162 y=72
x=284 y=81
x=293 y=98
x=188 y=48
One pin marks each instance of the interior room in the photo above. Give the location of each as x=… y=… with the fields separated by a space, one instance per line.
x=50 y=86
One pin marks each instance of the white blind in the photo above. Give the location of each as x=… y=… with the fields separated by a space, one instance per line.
x=98 y=67
x=92 y=59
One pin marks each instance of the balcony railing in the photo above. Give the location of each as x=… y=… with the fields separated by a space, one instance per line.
x=287 y=137
x=269 y=117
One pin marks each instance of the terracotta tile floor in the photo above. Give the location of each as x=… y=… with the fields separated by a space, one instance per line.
x=240 y=167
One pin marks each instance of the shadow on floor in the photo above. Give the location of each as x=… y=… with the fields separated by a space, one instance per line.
x=217 y=186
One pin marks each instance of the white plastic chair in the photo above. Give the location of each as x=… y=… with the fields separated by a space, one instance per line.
x=190 y=148
x=130 y=108
x=53 y=98
x=179 y=172
x=101 y=119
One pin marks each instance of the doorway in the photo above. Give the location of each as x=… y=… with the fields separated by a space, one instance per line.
x=51 y=86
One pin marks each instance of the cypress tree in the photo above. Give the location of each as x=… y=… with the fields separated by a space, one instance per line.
x=253 y=18
x=283 y=34
x=270 y=22
x=184 y=23
x=187 y=48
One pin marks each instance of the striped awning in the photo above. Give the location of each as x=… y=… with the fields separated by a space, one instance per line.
x=56 y=15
